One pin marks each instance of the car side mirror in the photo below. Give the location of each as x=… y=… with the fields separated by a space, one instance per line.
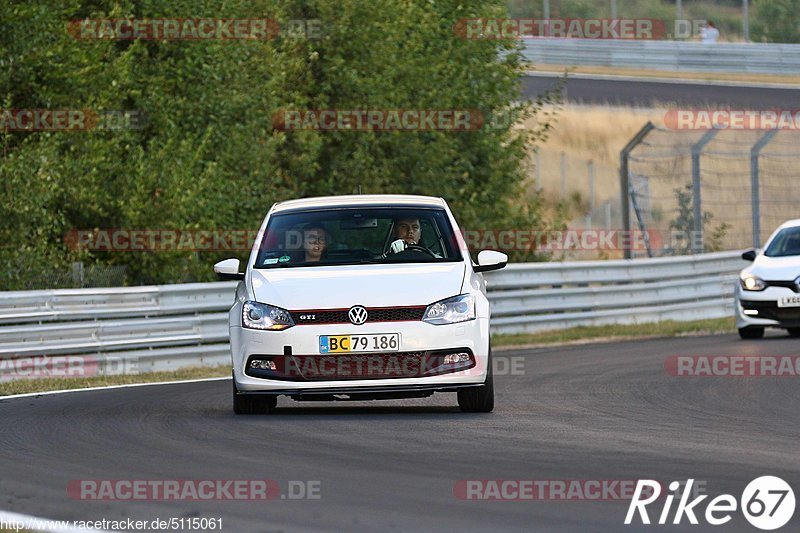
x=749 y=255
x=489 y=260
x=228 y=269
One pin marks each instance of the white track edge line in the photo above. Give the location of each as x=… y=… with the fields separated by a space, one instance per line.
x=109 y=387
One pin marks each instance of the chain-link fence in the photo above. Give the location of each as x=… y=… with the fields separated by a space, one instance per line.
x=713 y=190
x=691 y=190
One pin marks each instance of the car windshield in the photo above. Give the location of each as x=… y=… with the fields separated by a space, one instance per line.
x=786 y=242
x=357 y=235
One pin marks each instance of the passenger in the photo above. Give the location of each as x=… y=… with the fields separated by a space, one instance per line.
x=315 y=243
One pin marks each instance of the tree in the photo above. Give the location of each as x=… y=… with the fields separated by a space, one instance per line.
x=208 y=157
x=777 y=21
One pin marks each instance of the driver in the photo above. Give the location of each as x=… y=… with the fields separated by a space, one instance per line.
x=408 y=229
x=408 y=232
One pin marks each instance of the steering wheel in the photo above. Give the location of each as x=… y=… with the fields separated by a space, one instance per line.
x=418 y=249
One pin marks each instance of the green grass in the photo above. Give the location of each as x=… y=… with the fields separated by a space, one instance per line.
x=21 y=386
x=667 y=328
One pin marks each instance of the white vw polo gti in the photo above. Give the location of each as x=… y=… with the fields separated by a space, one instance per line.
x=360 y=298
x=768 y=293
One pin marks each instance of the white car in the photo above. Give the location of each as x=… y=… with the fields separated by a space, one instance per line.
x=360 y=298
x=768 y=292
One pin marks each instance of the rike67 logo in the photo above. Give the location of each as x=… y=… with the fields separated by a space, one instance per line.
x=767 y=503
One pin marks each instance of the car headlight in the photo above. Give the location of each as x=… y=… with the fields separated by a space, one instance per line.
x=752 y=283
x=452 y=310
x=256 y=315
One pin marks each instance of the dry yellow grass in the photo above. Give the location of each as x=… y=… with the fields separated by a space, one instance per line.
x=584 y=133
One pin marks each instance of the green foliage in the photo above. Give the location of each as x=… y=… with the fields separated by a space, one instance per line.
x=683 y=225
x=207 y=156
x=776 y=21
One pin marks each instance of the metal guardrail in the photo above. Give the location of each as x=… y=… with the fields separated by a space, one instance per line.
x=172 y=326
x=107 y=330
x=762 y=58
x=539 y=296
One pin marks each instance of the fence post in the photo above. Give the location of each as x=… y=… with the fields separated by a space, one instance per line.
x=624 y=181
x=77 y=274
x=755 y=191
x=590 y=167
x=697 y=203
x=640 y=220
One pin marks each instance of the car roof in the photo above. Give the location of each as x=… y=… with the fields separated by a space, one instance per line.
x=790 y=223
x=360 y=200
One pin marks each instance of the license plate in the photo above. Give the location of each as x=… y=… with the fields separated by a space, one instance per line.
x=386 y=342
x=789 y=301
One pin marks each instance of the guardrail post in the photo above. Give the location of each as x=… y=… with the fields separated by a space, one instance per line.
x=697 y=203
x=624 y=180
x=755 y=191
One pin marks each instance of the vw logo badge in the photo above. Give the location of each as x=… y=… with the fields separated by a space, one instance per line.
x=357 y=315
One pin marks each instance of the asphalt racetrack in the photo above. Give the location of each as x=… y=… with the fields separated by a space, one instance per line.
x=588 y=412
x=585 y=89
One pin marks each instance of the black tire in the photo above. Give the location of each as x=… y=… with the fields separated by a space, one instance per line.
x=252 y=404
x=793 y=332
x=753 y=332
x=478 y=399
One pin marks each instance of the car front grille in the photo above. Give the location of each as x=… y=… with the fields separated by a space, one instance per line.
x=374 y=314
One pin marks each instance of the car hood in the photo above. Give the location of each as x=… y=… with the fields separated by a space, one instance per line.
x=338 y=287
x=775 y=268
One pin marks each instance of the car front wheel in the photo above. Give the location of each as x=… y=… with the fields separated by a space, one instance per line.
x=753 y=332
x=478 y=399
x=252 y=404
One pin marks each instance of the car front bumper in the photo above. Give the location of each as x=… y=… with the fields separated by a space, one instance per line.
x=760 y=308
x=415 y=337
